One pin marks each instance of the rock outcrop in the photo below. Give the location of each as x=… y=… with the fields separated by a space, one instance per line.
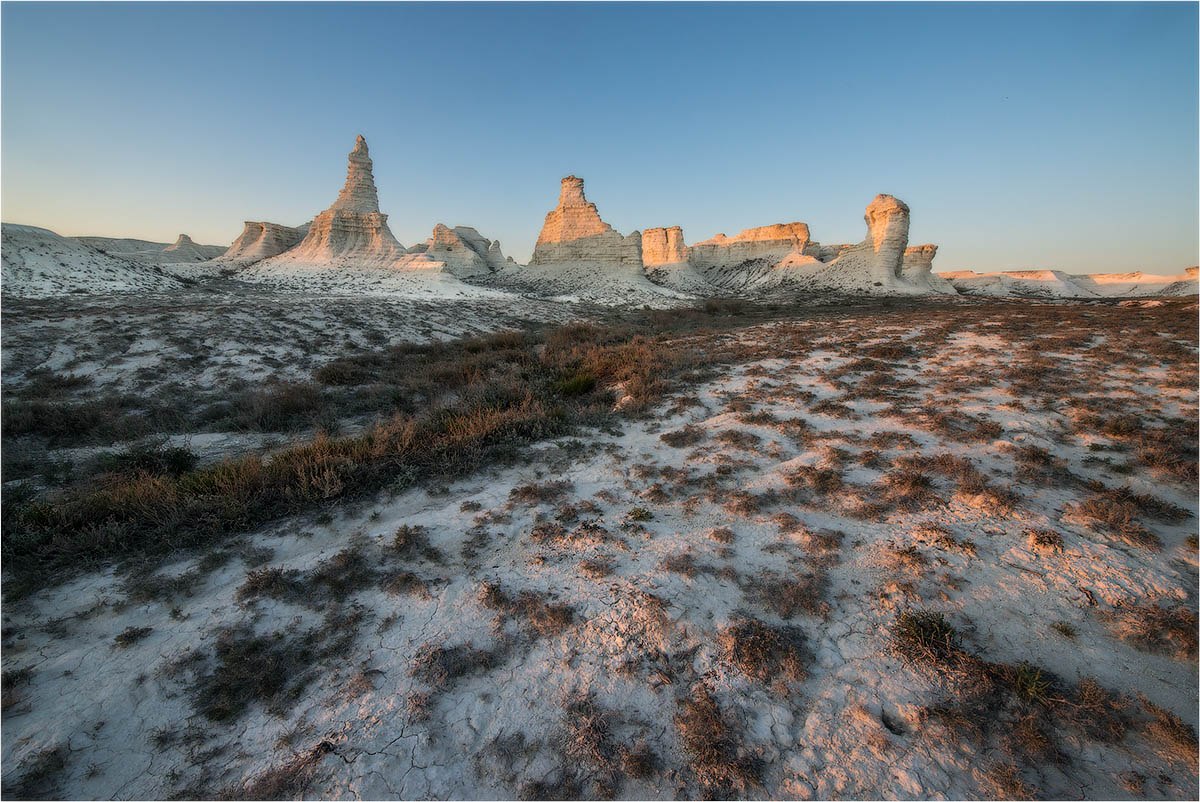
x=917 y=269
x=881 y=254
x=462 y=250
x=574 y=233
x=771 y=243
x=663 y=246
x=352 y=230
x=261 y=240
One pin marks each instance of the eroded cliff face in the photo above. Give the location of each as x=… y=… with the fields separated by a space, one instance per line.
x=663 y=246
x=771 y=243
x=352 y=230
x=881 y=255
x=574 y=232
x=261 y=240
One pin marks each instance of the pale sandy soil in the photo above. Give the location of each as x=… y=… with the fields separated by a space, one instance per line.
x=583 y=623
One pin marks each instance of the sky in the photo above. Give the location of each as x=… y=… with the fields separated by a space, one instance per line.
x=1021 y=135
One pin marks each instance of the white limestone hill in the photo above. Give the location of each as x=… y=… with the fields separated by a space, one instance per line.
x=183 y=250
x=590 y=282
x=37 y=263
x=1059 y=284
x=1138 y=284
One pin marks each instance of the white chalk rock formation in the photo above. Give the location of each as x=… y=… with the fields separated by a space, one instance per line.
x=769 y=243
x=917 y=269
x=574 y=232
x=353 y=230
x=37 y=263
x=261 y=240
x=461 y=251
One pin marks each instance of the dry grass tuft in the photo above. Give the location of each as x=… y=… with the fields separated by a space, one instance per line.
x=441 y=666
x=1044 y=540
x=1153 y=628
x=535 y=612
x=710 y=743
x=589 y=738
x=789 y=595
x=925 y=637
x=765 y=653
x=288 y=781
x=689 y=435
x=1173 y=740
x=722 y=534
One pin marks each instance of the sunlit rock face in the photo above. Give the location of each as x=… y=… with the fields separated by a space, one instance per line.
x=881 y=254
x=770 y=243
x=352 y=229
x=574 y=232
x=663 y=246
x=262 y=240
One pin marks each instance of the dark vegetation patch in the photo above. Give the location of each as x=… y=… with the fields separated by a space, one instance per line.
x=441 y=666
x=1022 y=713
x=38 y=776
x=789 y=595
x=274 y=669
x=131 y=635
x=537 y=614
x=766 y=653
x=11 y=680
x=357 y=568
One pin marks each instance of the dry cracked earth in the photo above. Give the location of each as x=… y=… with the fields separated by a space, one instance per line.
x=885 y=551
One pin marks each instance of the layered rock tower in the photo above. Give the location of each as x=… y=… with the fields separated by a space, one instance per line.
x=352 y=230
x=574 y=232
x=881 y=254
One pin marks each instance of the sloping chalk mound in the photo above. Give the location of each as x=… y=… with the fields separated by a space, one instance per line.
x=37 y=263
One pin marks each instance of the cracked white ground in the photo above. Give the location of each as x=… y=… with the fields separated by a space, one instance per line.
x=651 y=548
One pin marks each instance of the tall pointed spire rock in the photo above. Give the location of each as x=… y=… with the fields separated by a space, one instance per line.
x=359 y=194
x=352 y=231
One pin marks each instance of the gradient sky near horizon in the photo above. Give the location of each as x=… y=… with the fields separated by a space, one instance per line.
x=1021 y=135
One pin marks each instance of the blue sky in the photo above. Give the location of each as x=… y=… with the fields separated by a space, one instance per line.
x=1021 y=135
